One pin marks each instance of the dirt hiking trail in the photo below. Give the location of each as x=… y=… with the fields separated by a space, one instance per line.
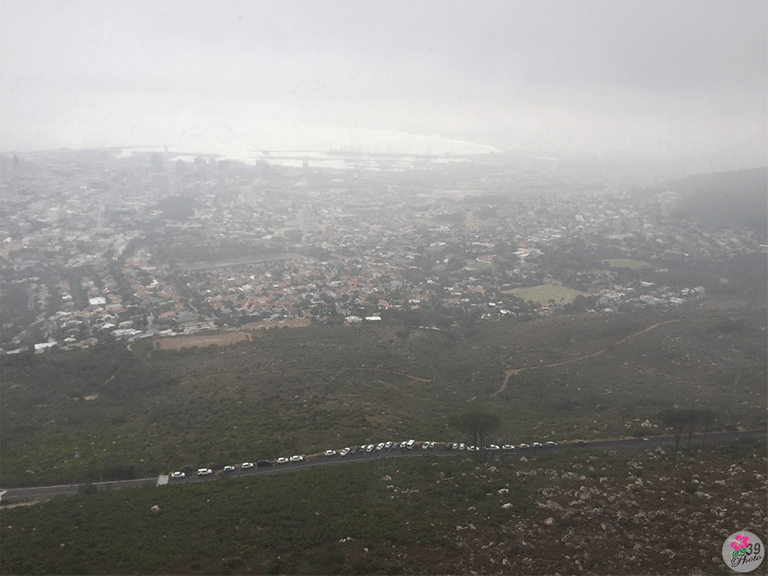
x=512 y=371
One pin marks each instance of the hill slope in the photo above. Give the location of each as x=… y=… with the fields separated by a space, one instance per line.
x=114 y=412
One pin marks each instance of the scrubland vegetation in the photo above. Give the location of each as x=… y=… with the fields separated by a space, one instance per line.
x=116 y=412
x=638 y=511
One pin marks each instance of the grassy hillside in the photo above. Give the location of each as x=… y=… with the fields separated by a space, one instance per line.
x=114 y=412
x=636 y=512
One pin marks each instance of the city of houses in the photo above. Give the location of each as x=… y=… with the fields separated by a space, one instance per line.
x=121 y=244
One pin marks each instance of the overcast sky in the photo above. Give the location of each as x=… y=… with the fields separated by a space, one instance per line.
x=651 y=77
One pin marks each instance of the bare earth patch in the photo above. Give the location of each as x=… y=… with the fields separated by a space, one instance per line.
x=201 y=341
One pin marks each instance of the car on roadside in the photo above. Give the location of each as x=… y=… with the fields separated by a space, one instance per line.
x=579 y=441
x=388 y=445
x=228 y=469
x=354 y=450
x=369 y=448
x=282 y=460
x=395 y=446
x=537 y=445
x=344 y=452
x=246 y=465
x=262 y=463
x=492 y=448
x=178 y=475
x=330 y=452
x=380 y=446
x=523 y=446
x=551 y=444
x=296 y=458
x=508 y=447
x=462 y=446
x=204 y=471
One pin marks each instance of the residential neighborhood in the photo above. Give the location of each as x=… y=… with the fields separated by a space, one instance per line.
x=128 y=244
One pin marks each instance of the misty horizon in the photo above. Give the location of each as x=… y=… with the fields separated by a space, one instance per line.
x=676 y=83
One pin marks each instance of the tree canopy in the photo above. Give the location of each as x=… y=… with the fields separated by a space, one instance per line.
x=476 y=426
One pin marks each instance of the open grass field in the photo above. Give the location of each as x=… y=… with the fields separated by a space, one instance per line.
x=475 y=265
x=543 y=293
x=300 y=391
x=627 y=263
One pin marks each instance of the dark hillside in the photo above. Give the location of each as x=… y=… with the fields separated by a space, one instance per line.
x=726 y=199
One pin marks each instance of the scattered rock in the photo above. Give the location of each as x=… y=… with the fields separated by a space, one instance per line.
x=668 y=552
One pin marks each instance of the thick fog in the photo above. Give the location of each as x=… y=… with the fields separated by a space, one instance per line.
x=674 y=81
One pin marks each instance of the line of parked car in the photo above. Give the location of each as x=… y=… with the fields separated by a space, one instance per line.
x=371 y=448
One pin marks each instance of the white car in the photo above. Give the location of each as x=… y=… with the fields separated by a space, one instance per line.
x=369 y=448
x=204 y=471
x=296 y=458
x=229 y=469
x=508 y=447
x=330 y=452
x=282 y=460
x=380 y=446
x=523 y=446
x=246 y=465
x=536 y=445
x=388 y=445
x=551 y=444
x=178 y=475
x=344 y=452
x=492 y=447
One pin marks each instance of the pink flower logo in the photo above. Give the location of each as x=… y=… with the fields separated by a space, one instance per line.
x=741 y=542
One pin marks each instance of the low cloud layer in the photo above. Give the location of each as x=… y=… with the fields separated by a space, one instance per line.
x=667 y=79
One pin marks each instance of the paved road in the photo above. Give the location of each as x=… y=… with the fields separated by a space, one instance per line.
x=48 y=492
